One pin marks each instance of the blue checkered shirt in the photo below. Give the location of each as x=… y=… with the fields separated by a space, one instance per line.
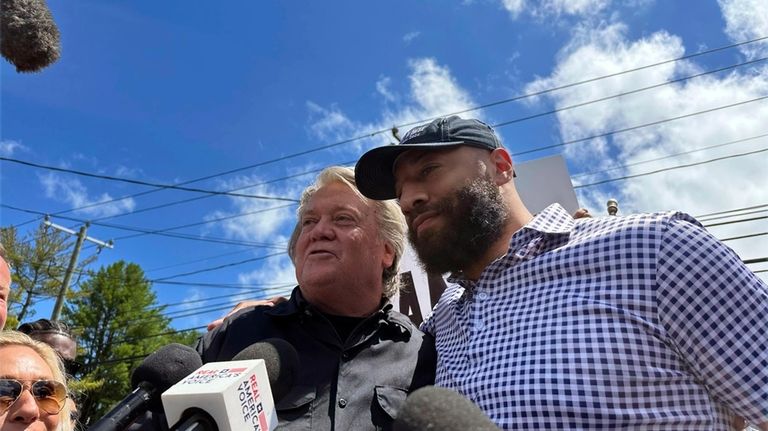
x=642 y=322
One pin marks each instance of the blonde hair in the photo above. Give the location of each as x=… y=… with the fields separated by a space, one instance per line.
x=389 y=219
x=50 y=357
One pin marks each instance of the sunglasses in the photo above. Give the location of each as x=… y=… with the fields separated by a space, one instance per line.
x=50 y=395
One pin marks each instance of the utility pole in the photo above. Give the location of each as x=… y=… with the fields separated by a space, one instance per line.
x=81 y=237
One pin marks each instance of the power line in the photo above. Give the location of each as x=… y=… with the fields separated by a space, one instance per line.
x=255 y=287
x=640 y=126
x=625 y=93
x=204 y=222
x=688 y=165
x=140 y=182
x=733 y=210
x=743 y=236
x=735 y=221
x=203 y=259
x=734 y=215
x=246 y=295
x=182 y=201
x=478 y=107
x=160 y=233
x=613 y=168
x=227 y=265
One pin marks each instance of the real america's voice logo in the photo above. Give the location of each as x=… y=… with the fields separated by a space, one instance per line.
x=201 y=377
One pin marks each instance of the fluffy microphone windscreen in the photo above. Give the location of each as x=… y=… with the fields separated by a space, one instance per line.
x=29 y=38
x=280 y=359
x=166 y=367
x=434 y=408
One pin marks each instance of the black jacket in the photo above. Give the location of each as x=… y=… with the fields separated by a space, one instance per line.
x=355 y=385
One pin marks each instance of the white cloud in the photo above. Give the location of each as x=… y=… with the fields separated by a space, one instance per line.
x=554 y=8
x=514 y=7
x=8 y=147
x=409 y=37
x=277 y=274
x=433 y=92
x=329 y=123
x=382 y=87
x=572 y=7
x=75 y=194
x=747 y=20
x=260 y=221
x=724 y=185
x=124 y=171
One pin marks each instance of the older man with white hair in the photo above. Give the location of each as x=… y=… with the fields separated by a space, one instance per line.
x=359 y=358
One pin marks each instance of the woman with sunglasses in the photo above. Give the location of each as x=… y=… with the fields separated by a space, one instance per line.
x=33 y=390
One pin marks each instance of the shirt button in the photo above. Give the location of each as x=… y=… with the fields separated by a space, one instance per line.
x=342 y=403
x=482 y=296
x=479 y=325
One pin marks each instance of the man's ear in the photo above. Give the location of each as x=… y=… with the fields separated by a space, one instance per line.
x=389 y=255
x=503 y=167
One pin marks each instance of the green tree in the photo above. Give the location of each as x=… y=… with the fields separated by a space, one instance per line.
x=118 y=322
x=38 y=262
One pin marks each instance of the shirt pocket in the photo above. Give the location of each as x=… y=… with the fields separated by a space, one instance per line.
x=387 y=400
x=296 y=408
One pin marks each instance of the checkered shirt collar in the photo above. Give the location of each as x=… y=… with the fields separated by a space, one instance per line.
x=546 y=230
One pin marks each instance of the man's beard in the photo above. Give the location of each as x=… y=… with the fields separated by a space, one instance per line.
x=474 y=219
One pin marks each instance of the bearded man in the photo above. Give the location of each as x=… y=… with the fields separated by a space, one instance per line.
x=638 y=322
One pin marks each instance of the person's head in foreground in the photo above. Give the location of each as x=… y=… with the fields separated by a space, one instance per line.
x=346 y=248
x=33 y=390
x=5 y=286
x=454 y=182
x=57 y=335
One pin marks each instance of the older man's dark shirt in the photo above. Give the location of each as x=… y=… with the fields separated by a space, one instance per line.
x=355 y=384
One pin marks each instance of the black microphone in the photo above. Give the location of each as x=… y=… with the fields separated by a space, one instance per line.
x=434 y=408
x=281 y=360
x=30 y=38
x=230 y=396
x=158 y=372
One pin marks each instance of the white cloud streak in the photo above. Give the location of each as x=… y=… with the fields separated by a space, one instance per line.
x=554 y=8
x=433 y=91
x=409 y=37
x=75 y=194
x=262 y=222
x=8 y=147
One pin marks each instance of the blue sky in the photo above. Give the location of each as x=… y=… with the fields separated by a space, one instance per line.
x=166 y=92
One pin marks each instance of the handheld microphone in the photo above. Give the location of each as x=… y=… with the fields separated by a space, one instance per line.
x=234 y=395
x=435 y=408
x=30 y=38
x=158 y=372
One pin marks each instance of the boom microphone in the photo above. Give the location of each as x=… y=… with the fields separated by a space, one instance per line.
x=158 y=372
x=434 y=408
x=234 y=395
x=29 y=36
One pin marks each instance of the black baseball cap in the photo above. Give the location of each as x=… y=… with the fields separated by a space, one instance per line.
x=373 y=172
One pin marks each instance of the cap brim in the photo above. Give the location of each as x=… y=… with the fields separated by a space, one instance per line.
x=374 y=171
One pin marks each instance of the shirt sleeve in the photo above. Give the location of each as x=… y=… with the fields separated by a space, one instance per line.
x=427 y=325
x=715 y=311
